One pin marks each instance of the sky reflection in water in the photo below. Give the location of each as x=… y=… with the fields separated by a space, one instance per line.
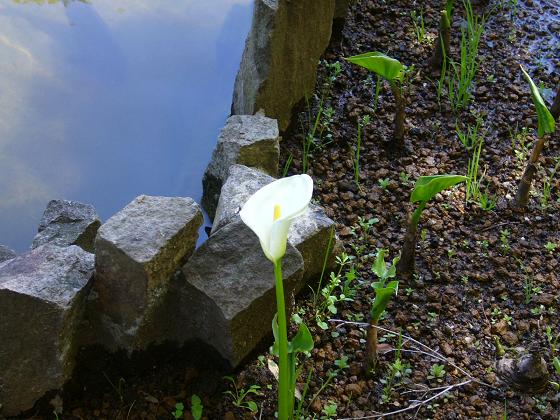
x=103 y=100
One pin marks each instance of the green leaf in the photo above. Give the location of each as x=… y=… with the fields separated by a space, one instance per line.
x=546 y=122
x=303 y=341
x=379 y=267
x=382 y=298
x=196 y=407
x=556 y=364
x=427 y=187
x=251 y=405
x=379 y=63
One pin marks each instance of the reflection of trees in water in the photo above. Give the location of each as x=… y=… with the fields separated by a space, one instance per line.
x=41 y=2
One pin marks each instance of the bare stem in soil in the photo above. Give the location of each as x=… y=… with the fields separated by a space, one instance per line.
x=441 y=49
x=406 y=264
x=371 y=349
x=524 y=186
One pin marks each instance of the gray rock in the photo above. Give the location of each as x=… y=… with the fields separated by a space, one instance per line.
x=67 y=223
x=227 y=297
x=250 y=140
x=279 y=63
x=309 y=233
x=242 y=182
x=6 y=253
x=137 y=252
x=42 y=296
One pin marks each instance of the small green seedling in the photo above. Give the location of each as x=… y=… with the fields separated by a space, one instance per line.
x=384 y=290
x=196 y=407
x=546 y=125
x=437 y=372
x=425 y=189
x=239 y=395
x=394 y=72
x=551 y=247
x=383 y=182
x=178 y=413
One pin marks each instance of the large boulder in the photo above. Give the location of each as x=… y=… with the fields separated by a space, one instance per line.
x=250 y=140
x=67 y=223
x=42 y=299
x=6 y=253
x=279 y=63
x=309 y=233
x=226 y=297
x=137 y=252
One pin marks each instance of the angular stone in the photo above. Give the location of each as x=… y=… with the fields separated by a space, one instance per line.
x=227 y=297
x=6 y=253
x=250 y=140
x=279 y=63
x=67 y=223
x=309 y=233
x=137 y=252
x=42 y=299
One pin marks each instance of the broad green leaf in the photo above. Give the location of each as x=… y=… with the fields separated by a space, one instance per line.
x=303 y=341
x=382 y=298
x=379 y=63
x=379 y=267
x=427 y=187
x=545 y=119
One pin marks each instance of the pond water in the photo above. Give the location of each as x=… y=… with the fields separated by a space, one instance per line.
x=103 y=100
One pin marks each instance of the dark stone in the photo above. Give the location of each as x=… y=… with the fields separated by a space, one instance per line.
x=67 y=223
x=43 y=296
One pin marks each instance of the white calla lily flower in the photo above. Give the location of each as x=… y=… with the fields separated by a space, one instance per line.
x=270 y=212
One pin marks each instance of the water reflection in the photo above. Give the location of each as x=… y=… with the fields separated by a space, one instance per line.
x=103 y=100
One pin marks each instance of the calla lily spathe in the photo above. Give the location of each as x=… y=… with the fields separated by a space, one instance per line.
x=270 y=212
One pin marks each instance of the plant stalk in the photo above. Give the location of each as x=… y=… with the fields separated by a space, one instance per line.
x=522 y=196
x=441 y=49
x=406 y=264
x=371 y=346
x=283 y=362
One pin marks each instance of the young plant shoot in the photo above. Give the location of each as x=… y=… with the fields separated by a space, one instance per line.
x=384 y=290
x=394 y=72
x=425 y=189
x=546 y=125
x=269 y=213
x=441 y=49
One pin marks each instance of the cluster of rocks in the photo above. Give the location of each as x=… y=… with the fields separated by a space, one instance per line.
x=138 y=280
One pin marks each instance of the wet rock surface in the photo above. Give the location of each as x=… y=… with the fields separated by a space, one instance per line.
x=42 y=299
x=67 y=223
x=137 y=252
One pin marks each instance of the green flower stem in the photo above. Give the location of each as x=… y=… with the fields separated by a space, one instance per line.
x=418 y=212
x=283 y=365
